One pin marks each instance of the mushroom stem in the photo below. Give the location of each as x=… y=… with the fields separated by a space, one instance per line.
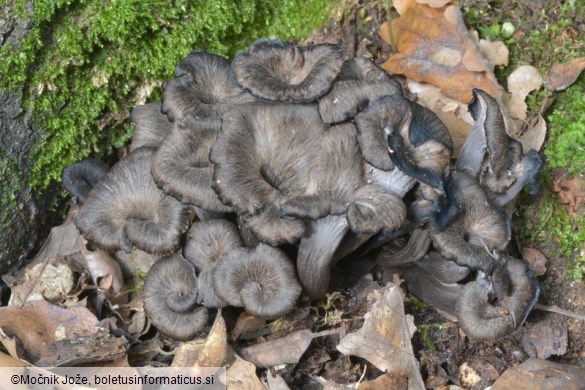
x=316 y=250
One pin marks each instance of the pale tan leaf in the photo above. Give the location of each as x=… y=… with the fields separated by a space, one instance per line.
x=496 y=53
x=100 y=266
x=435 y=3
x=9 y=361
x=533 y=134
x=561 y=76
x=275 y=382
x=384 y=339
x=242 y=375
x=285 y=350
x=521 y=82
x=210 y=352
x=50 y=279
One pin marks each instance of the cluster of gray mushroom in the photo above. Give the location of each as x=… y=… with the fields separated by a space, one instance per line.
x=252 y=179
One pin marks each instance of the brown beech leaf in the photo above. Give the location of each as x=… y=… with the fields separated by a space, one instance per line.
x=285 y=350
x=571 y=192
x=561 y=76
x=210 y=352
x=63 y=241
x=433 y=46
x=541 y=374
x=246 y=323
x=384 y=339
x=242 y=375
x=495 y=52
x=44 y=329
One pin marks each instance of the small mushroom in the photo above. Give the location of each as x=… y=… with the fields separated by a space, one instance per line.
x=170 y=298
x=204 y=87
x=181 y=165
x=280 y=71
x=264 y=157
x=205 y=244
x=362 y=68
x=127 y=209
x=152 y=126
x=476 y=231
x=483 y=321
x=81 y=177
x=261 y=279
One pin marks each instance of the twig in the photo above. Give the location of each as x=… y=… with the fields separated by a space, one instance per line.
x=556 y=309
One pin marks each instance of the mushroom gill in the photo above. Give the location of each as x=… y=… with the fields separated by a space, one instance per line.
x=152 y=126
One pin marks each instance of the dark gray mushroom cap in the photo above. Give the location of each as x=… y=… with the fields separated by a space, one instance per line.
x=348 y=97
x=170 y=298
x=206 y=242
x=362 y=68
x=127 y=209
x=263 y=158
x=81 y=177
x=394 y=112
x=279 y=71
x=261 y=279
x=374 y=209
x=152 y=126
x=204 y=87
x=181 y=165
x=478 y=228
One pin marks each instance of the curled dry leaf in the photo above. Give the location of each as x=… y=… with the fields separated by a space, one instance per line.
x=43 y=328
x=50 y=279
x=495 y=52
x=210 y=352
x=384 y=339
x=432 y=45
x=521 y=82
x=285 y=350
x=571 y=192
x=533 y=134
x=561 y=76
x=242 y=375
x=105 y=272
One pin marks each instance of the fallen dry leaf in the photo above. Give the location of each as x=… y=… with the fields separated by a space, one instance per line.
x=63 y=240
x=495 y=52
x=547 y=337
x=385 y=381
x=561 y=76
x=9 y=361
x=275 y=382
x=384 y=339
x=242 y=375
x=11 y=345
x=246 y=323
x=533 y=134
x=285 y=350
x=468 y=376
x=44 y=329
x=435 y=3
x=536 y=260
x=541 y=374
x=571 y=192
x=432 y=45
x=210 y=352
x=105 y=272
x=521 y=82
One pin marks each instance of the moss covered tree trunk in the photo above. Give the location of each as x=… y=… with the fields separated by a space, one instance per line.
x=25 y=215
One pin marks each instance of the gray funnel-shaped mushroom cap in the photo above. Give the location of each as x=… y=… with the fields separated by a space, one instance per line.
x=261 y=279
x=205 y=244
x=152 y=126
x=279 y=71
x=81 y=177
x=204 y=87
x=170 y=298
x=127 y=209
x=181 y=165
x=362 y=68
x=480 y=227
x=264 y=157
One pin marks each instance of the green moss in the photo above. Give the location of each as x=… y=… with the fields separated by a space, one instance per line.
x=566 y=144
x=10 y=180
x=425 y=331
x=86 y=63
